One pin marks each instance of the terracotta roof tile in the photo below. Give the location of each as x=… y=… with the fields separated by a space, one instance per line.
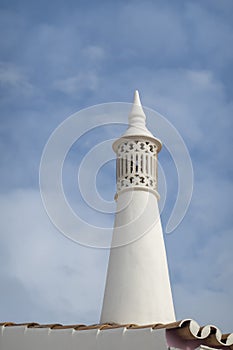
x=188 y=330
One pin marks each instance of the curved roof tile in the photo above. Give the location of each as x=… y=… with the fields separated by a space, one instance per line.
x=187 y=330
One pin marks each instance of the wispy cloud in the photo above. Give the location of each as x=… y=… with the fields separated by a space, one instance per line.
x=11 y=78
x=48 y=269
x=77 y=84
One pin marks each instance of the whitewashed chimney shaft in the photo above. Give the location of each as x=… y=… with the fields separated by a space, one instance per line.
x=137 y=287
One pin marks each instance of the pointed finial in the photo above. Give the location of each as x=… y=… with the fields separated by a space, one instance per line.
x=137 y=116
x=136 y=99
x=137 y=124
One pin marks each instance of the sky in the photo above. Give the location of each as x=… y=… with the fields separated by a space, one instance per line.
x=60 y=57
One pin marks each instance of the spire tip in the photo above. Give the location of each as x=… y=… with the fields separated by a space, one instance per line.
x=137 y=100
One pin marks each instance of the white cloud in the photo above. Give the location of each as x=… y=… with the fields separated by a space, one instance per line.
x=55 y=273
x=77 y=84
x=204 y=305
x=94 y=53
x=12 y=77
x=203 y=290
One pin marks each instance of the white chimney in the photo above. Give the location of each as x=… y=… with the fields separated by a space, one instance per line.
x=137 y=287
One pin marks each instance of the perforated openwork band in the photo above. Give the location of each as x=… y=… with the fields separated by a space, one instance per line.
x=137 y=165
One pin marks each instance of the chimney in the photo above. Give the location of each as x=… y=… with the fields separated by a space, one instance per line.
x=137 y=287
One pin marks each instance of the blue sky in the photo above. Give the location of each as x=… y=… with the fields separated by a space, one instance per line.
x=60 y=57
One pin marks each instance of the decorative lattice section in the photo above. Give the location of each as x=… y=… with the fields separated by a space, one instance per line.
x=137 y=165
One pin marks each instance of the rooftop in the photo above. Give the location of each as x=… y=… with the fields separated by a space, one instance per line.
x=185 y=334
